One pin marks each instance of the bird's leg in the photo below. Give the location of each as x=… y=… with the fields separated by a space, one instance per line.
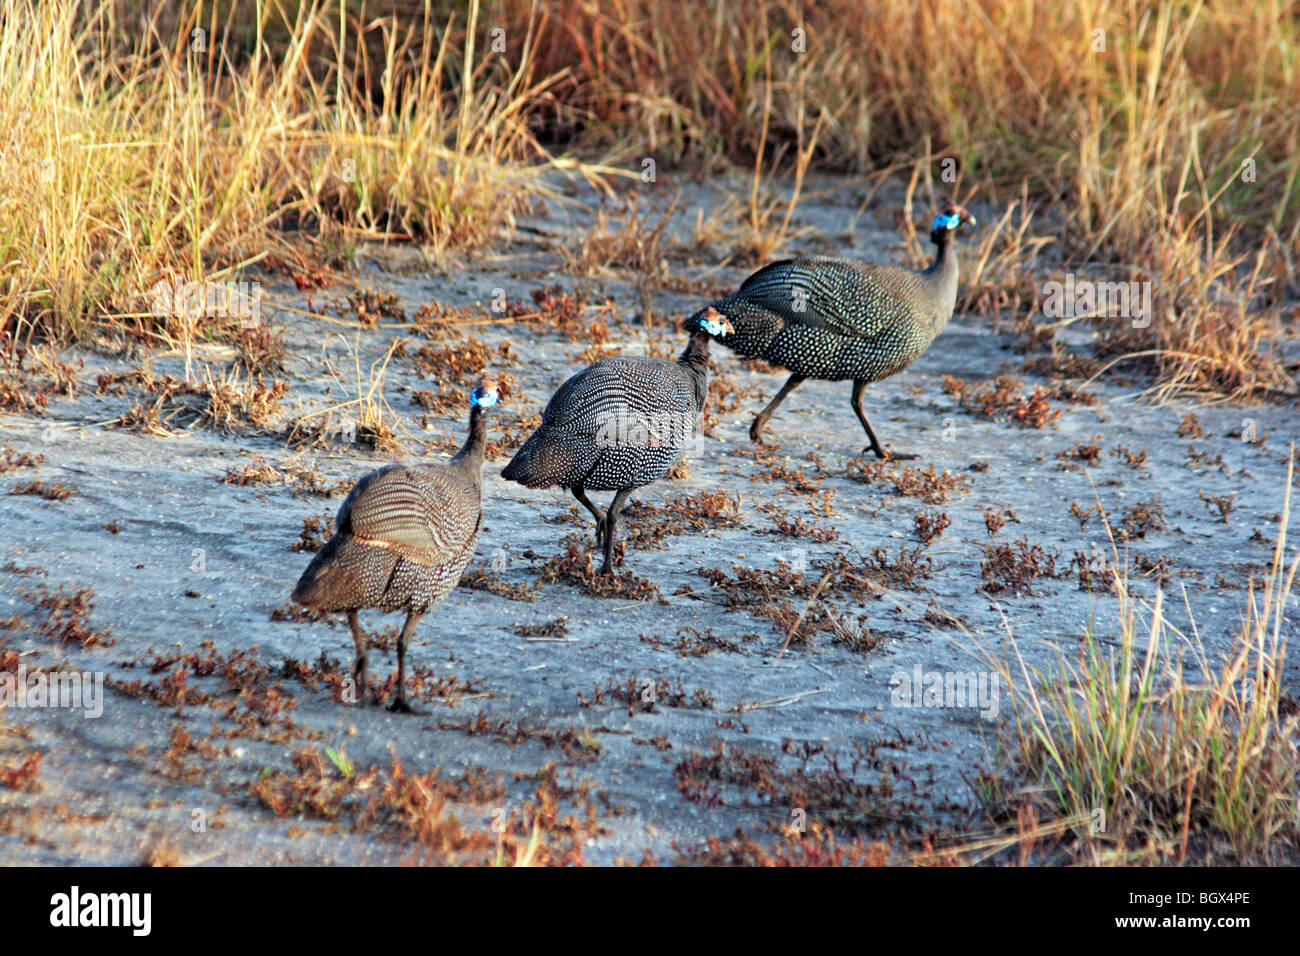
x=756 y=429
x=581 y=495
x=859 y=386
x=400 y=704
x=611 y=521
x=360 y=673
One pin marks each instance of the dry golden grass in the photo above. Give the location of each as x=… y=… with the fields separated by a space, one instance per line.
x=187 y=141
x=362 y=415
x=1180 y=94
x=181 y=143
x=1164 y=138
x=636 y=245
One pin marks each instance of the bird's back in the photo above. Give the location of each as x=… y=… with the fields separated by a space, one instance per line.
x=830 y=318
x=402 y=538
x=619 y=423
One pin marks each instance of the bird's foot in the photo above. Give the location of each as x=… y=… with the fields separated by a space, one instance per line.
x=361 y=687
x=886 y=455
x=402 y=706
x=756 y=431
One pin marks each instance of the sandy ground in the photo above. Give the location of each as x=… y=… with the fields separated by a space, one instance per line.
x=194 y=559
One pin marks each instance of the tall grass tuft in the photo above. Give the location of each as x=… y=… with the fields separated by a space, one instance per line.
x=184 y=142
x=1150 y=747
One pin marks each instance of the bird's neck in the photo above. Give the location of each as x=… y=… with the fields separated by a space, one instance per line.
x=942 y=277
x=945 y=259
x=695 y=359
x=696 y=354
x=471 y=453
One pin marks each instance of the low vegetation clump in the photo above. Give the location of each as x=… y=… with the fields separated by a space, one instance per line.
x=1087 y=454
x=576 y=564
x=1002 y=399
x=55 y=492
x=24 y=774
x=646 y=525
x=799 y=603
x=645 y=694
x=829 y=796
x=1014 y=567
x=302 y=479
x=932 y=487
x=315 y=534
x=434 y=819
x=930 y=525
x=11 y=460
x=225 y=401
x=63 y=616
x=1143 y=517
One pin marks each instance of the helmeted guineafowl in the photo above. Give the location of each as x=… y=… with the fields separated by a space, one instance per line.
x=402 y=539
x=618 y=425
x=836 y=319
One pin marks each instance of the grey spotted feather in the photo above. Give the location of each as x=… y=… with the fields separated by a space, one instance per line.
x=618 y=425
x=836 y=319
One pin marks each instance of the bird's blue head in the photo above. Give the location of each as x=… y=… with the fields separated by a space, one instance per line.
x=946 y=223
x=712 y=322
x=485 y=394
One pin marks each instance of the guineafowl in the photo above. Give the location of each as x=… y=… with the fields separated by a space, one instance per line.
x=402 y=539
x=618 y=425
x=836 y=319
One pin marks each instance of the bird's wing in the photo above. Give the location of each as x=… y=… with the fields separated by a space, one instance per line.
x=422 y=513
x=343 y=518
x=843 y=297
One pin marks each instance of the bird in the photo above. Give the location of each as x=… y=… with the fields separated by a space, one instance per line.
x=402 y=539
x=619 y=425
x=834 y=319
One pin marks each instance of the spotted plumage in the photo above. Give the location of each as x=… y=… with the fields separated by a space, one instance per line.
x=618 y=425
x=837 y=319
x=402 y=539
